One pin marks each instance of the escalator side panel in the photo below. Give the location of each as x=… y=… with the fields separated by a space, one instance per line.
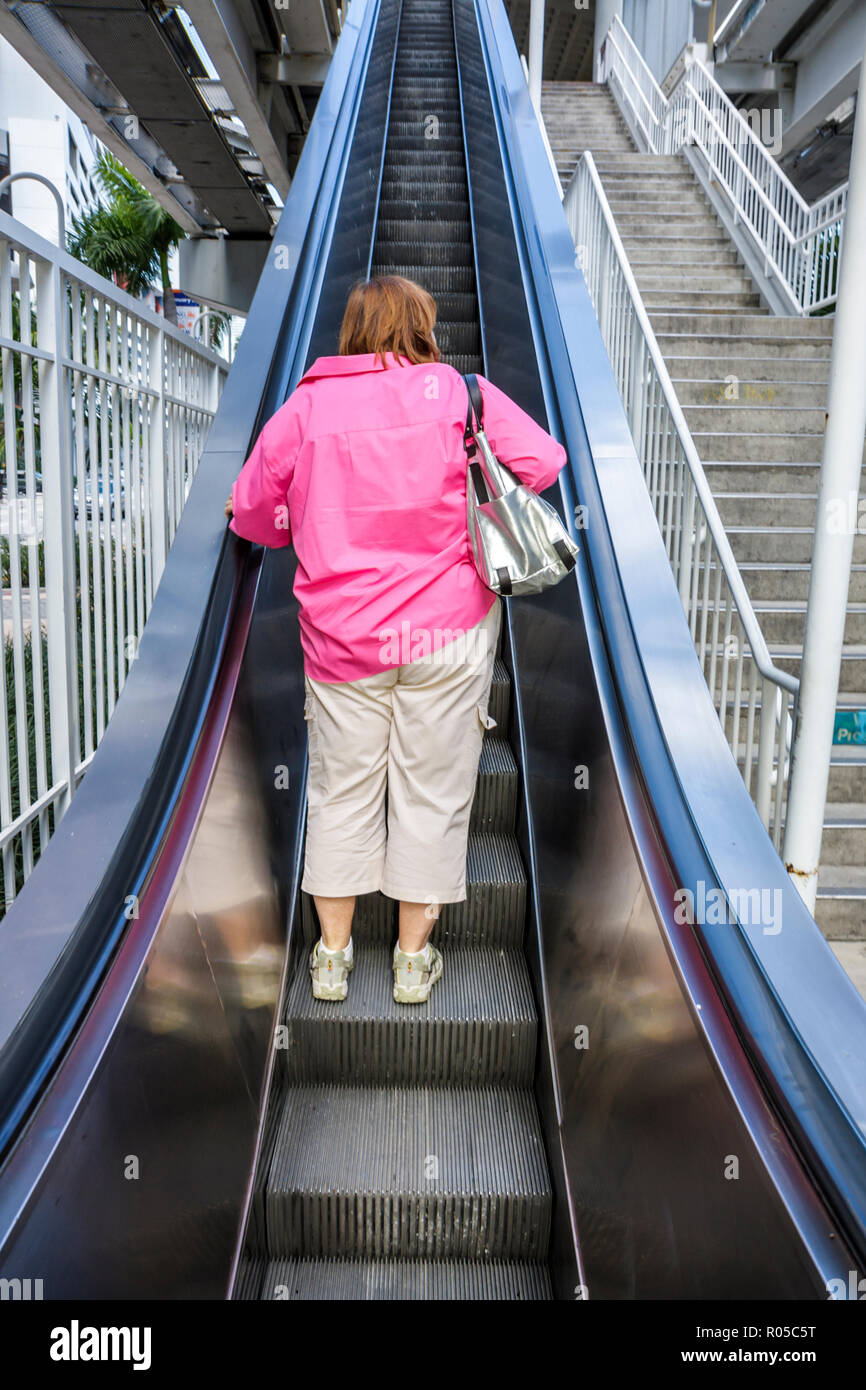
x=131 y=1177
x=143 y=1194
x=643 y=1113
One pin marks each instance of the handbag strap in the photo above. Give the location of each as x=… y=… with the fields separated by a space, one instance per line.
x=475 y=413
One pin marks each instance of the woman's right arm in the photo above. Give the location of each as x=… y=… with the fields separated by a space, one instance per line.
x=259 y=500
x=521 y=444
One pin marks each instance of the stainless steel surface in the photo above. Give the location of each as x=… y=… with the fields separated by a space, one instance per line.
x=158 y=1122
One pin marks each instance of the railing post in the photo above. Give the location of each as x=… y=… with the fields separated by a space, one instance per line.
x=604 y=294
x=766 y=740
x=638 y=374
x=839 y=483
x=687 y=539
x=156 y=381
x=55 y=453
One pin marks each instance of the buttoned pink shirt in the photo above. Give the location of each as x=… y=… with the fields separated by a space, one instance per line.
x=364 y=471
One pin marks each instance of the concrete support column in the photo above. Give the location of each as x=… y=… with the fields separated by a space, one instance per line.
x=604 y=15
x=838 y=487
x=536 y=50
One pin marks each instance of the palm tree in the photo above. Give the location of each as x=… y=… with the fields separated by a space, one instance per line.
x=131 y=237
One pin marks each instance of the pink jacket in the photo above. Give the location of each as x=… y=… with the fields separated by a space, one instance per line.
x=364 y=470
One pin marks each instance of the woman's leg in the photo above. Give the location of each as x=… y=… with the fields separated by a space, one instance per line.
x=348 y=725
x=416 y=923
x=440 y=713
x=335 y=921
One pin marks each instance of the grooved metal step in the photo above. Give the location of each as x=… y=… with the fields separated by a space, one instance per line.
x=403 y=1156
x=366 y=1172
x=495 y=801
x=478 y=1027
x=493 y=913
x=369 y=1281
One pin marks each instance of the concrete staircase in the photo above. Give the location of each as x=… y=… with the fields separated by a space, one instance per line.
x=753 y=387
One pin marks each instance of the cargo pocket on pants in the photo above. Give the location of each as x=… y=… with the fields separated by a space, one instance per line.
x=315 y=761
x=484 y=718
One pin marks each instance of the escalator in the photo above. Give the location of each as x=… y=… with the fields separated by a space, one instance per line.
x=443 y=1190
x=557 y=1119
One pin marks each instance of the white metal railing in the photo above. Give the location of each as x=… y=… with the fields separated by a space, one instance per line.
x=798 y=244
x=104 y=409
x=623 y=66
x=755 y=701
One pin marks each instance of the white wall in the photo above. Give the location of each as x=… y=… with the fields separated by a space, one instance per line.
x=39 y=125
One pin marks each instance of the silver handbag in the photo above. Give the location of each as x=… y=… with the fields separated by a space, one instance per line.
x=519 y=543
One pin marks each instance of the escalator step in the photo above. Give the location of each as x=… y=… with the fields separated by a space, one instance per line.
x=443 y=165
x=499 y=705
x=409 y=1172
x=478 y=1027
x=495 y=801
x=470 y=362
x=458 y=338
x=416 y=193
x=429 y=254
x=250 y=1279
x=492 y=914
x=449 y=234
x=432 y=277
x=404 y=1158
x=371 y=1281
x=425 y=209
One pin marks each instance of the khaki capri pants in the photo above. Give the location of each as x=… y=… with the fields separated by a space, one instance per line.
x=415 y=732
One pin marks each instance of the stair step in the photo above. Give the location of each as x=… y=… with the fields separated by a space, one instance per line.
x=426 y=254
x=769 y=446
x=477 y=1029
x=677 y=345
x=625 y=163
x=789 y=581
x=649 y=179
x=695 y=391
x=495 y=803
x=844 y=838
x=852 y=676
x=756 y=418
x=771 y=509
x=691 y=281
x=493 y=913
x=369 y=1281
x=415 y=1172
x=840 y=910
x=656 y=202
x=851 y=955
x=789 y=543
x=698 y=301
x=751 y=326
x=692 y=255
x=783 y=370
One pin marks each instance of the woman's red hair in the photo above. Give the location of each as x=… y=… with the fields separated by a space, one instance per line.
x=390 y=314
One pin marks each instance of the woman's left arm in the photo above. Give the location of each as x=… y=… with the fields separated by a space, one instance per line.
x=259 y=505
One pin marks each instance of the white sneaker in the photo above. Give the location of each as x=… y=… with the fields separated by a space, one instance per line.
x=414 y=977
x=330 y=972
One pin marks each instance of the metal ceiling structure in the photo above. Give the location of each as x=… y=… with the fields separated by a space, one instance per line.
x=568 y=37
x=802 y=56
x=207 y=103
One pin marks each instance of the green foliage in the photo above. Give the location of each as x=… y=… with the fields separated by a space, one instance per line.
x=131 y=237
